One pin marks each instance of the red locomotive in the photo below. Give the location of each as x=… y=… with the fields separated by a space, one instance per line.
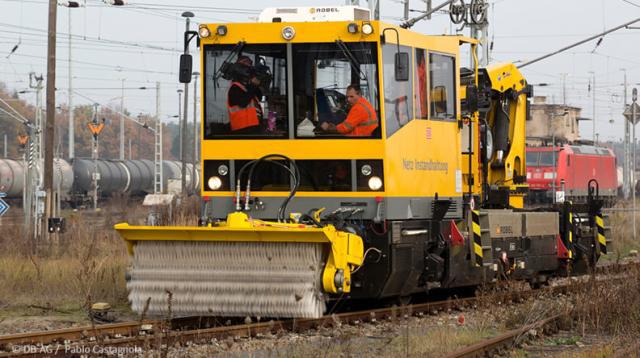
x=575 y=166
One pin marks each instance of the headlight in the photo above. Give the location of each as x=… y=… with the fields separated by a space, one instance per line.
x=548 y=175
x=288 y=33
x=352 y=28
x=214 y=183
x=223 y=170
x=366 y=170
x=221 y=30
x=367 y=29
x=375 y=183
x=204 y=31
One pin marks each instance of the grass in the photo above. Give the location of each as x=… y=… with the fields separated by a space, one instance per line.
x=84 y=265
x=610 y=307
x=608 y=310
x=621 y=224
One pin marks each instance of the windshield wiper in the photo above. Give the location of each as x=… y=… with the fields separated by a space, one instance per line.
x=226 y=63
x=355 y=65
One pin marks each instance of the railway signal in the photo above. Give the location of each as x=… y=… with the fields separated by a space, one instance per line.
x=22 y=140
x=95 y=126
x=631 y=113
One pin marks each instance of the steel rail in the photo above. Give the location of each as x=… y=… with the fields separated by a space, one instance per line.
x=75 y=333
x=507 y=339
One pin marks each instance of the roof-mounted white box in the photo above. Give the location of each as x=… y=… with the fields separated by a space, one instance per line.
x=314 y=14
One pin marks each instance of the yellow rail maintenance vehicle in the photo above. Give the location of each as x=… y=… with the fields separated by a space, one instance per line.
x=346 y=158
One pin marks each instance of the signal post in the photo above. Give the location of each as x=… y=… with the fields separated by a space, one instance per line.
x=95 y=127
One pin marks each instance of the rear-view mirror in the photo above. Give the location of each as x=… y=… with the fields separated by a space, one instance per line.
x=402 y=66
x=186 y=64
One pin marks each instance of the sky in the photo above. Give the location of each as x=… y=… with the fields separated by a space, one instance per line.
x=140 y=43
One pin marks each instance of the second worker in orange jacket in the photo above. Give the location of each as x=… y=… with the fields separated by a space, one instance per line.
x=362 y=119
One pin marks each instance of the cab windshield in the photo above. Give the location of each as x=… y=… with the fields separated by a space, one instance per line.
x=246 y=83
x=532 y=159
x=547 y=159
x=270 y=91
x=323 y=73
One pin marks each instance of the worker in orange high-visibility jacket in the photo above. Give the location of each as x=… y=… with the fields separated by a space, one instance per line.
x=422 y=88
x=243 y=105
x=362 y=119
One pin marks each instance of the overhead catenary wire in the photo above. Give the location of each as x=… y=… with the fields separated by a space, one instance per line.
x=579 y=43
x=177 y=7
x=197 y=8
x=94 y=44
x=114 y=67
x=21 y=117
x=142 y=124
x=42 y=32
x=11 y=115
x=631 y=3
x=169 y=12
x=86 y=47
x=407 y=24
x=146 y=4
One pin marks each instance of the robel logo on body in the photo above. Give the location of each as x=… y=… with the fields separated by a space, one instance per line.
x=314 y=10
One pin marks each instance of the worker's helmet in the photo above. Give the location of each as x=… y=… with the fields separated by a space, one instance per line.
x=244 y=60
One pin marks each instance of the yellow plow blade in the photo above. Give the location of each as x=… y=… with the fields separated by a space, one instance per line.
x=242 y=267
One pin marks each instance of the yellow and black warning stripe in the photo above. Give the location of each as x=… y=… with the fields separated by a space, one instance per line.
x=602 y=240
x=571 y=228
x=477 y=237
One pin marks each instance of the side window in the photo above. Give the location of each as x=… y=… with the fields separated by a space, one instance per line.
x=398 y=106
x=420 y=90
x=442 y=87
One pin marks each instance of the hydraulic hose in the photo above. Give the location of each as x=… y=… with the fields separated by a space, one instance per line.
x=295 y=175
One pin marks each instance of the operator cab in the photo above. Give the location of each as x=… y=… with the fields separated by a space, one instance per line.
x=305 y=65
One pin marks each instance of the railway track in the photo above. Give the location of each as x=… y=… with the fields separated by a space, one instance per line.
x=505 y=340
x=141 y=333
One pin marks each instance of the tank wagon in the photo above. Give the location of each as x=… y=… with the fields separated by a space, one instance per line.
x=74 y=178
x=13 y=176
x=297 y=217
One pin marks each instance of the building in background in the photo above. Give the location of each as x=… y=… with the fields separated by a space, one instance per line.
x=547 y=120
